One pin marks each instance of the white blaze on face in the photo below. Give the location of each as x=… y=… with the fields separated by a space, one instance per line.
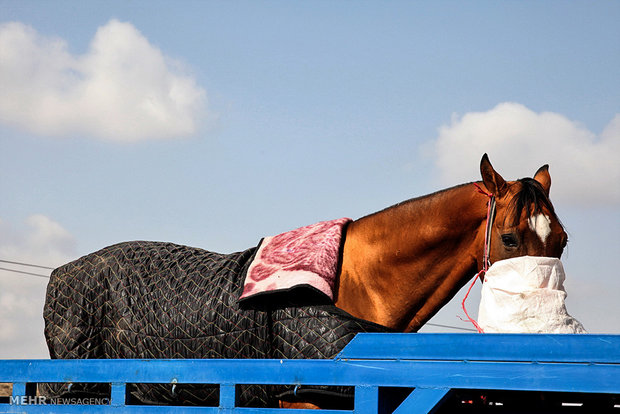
x=541 y=225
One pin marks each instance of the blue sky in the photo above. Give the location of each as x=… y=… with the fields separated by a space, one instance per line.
x=214 y=124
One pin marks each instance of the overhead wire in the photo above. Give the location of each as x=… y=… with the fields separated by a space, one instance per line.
x=24 y=273
x=451 y=327
x=26 y=264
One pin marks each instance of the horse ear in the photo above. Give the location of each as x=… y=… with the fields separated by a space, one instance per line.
x=544 y=178
x=491 y=179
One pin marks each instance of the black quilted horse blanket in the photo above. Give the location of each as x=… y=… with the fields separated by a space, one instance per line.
x=162 y=300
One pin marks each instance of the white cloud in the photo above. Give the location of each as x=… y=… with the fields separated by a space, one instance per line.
x=123 y=88
x=584 y=167
x=44 y=242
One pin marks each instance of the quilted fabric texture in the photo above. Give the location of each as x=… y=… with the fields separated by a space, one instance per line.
x=162 y=300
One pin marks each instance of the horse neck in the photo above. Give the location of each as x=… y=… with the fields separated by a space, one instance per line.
x=401 y=265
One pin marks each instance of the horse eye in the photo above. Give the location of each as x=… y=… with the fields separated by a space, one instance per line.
x=509 y=240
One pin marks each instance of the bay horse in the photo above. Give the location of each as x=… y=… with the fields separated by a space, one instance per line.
x=397 y=268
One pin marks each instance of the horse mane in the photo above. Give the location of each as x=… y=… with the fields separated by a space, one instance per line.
x=532 y=198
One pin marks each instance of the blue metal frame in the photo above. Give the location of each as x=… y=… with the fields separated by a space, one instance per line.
x=433 y=364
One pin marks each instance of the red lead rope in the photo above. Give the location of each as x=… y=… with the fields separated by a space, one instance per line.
x=486 y=261
x=473 y=321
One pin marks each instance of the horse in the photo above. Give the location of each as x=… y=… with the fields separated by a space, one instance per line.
x=397 y=268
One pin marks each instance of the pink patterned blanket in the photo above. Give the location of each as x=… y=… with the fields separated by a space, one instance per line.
x=304 y=256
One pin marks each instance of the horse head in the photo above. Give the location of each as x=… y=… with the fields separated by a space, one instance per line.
x=525 y=222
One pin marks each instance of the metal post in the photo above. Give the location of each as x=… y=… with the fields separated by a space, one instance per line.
x=227 y=396
x=118 y=394
x=366 y=399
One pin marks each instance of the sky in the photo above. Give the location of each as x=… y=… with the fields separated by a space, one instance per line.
x=213 y=124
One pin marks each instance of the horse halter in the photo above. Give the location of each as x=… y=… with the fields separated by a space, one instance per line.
x=486 y=258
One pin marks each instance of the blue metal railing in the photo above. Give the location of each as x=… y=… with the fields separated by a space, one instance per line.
x=430 y=364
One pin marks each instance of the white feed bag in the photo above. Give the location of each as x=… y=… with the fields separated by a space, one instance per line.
x=526 y=294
